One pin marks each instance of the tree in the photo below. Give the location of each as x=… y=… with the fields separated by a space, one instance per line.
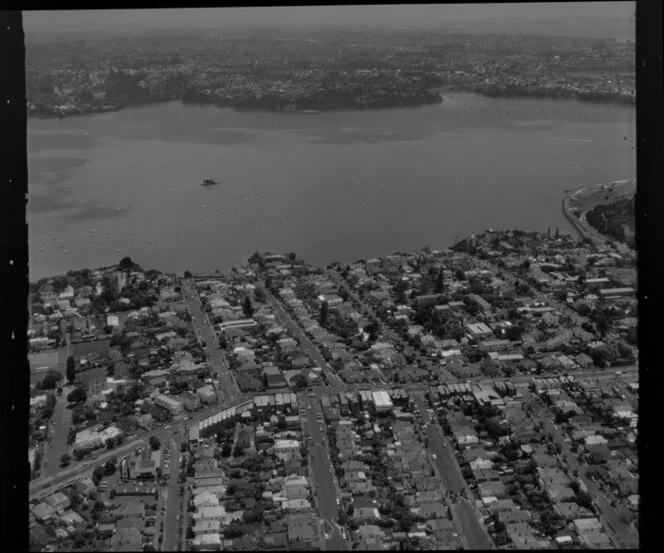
x=110 y=443
x=154 y=443
x=65 y=460
x=259 y=295
x=600 y=356
x=322 y=318
x=97 y=475
x=77 y=395
x=247 y=308
x=299 y=382
x=584 y=499
x=110 y=466
x=588 y=327
x=50 y=380
x=71 y=369
x=238 y=451
x=439 y=285
x=625 y=351
x=226 y=450
x=126 y=263
x=71 y=437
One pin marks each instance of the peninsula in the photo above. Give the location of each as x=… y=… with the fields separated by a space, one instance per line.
x=305 y=71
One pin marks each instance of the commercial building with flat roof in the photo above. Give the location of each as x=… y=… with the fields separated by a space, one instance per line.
x=206 y=542
x=169 y=403
x=382 y=402
x=206 y=394
x=194 y=434
x=479 y=330
x=616 y=292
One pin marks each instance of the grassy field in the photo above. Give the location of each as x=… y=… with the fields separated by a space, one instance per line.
x=97 y=373
x=43 y=359
x=38 y=377
x=93 y=350
x=604 y=194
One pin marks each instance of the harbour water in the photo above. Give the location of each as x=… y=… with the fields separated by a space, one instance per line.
x=330 y=186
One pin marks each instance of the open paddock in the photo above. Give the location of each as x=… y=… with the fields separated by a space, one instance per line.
x=602 y=194
x=95 y=350
x=43 y=359
x=92 y=374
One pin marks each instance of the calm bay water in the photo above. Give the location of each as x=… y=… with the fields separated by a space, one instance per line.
x=330 y=187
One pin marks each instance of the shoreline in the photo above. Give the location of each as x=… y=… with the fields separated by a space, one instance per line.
x=322 y=110
x=579 y=223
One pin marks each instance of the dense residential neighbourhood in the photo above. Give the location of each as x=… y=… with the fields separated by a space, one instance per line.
x=480 y=396
x=299 y=71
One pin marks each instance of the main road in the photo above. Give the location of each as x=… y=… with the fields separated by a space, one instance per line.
x=227 y=388
x=319 y=456
x=521 y=381
x=173 y=519
x=465 y=515
x=43 y=487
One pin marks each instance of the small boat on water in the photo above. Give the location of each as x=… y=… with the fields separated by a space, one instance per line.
x=208 y=182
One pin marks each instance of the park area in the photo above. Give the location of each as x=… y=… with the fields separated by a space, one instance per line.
x=43 y=359
x=39 y=362
x=92 y=351
x=605 y=193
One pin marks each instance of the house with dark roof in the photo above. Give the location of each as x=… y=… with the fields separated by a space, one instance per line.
x=273 y=378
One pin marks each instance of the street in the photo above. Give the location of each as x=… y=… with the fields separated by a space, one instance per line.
x=172 y=535
x=448 y=469
x=325 y=489
x=43 y=487
x=57 y=440
x=471 y=528
x=392 y=336
x=285 y=320
x=621 y=533
x=227 y=388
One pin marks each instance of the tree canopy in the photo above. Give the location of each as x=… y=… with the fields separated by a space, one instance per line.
x=322 y=319
x=77 y=395
x=247 y=308
x=71 y=369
